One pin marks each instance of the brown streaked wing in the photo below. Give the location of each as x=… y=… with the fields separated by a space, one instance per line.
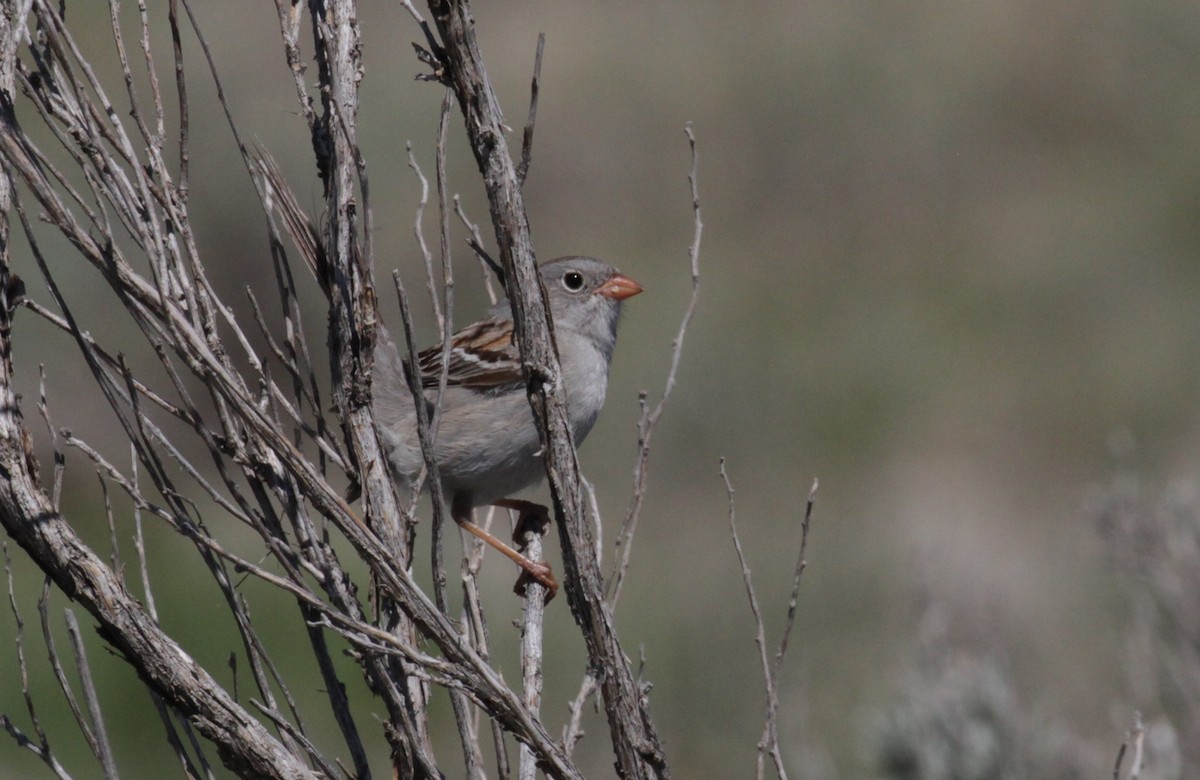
x=481 y=355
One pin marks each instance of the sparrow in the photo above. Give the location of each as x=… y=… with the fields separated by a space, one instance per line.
x=487 y=446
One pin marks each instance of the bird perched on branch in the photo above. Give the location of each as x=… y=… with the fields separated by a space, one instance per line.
x=487 y=445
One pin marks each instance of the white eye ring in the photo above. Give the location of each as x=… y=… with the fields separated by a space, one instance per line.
x=572 y=281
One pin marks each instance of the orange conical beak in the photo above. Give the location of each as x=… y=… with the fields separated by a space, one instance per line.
x=619 y=288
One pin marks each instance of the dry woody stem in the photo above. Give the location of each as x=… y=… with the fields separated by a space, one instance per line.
x=247 y=437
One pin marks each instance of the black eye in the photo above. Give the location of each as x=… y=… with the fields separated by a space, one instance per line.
x=573 y=281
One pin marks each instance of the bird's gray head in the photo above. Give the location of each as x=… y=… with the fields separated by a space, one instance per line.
x=585 y=296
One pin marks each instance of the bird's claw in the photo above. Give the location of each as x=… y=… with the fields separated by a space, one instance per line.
x=539 y=572
x=533 y=518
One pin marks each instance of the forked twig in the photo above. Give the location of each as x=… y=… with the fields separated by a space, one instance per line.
x=485 y=260
x=40 y=748
x=769 y=743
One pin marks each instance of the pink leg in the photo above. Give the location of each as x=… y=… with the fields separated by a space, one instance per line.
x=528 y=513
x=538 y=570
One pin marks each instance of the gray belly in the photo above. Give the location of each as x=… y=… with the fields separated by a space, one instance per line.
x=487 y=444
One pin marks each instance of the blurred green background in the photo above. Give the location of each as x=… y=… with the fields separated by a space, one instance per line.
x=949 y=267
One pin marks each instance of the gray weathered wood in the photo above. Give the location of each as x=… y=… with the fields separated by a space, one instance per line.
x=638 y=749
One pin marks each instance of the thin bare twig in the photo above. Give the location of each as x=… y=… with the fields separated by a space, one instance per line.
x=187 y=766
x=530 y=529
x=60 y=675
x=60 y=462
x=447 y=324
x=298 y=736
x=471 y=754
x=534 y=89
x=486 y=264
x=42 y=748
x=114 y=556
x=468 y=735
x=476 y=626
x=573 y=731
x=139 y=540
x=486 y=260
x=185 y=148
x=1137 y=738
x=771 y=743
x=419 y=234
x=1116 y=773
x=107 y=761
x=794 y=596
x=649 y=419
x=42 y=751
